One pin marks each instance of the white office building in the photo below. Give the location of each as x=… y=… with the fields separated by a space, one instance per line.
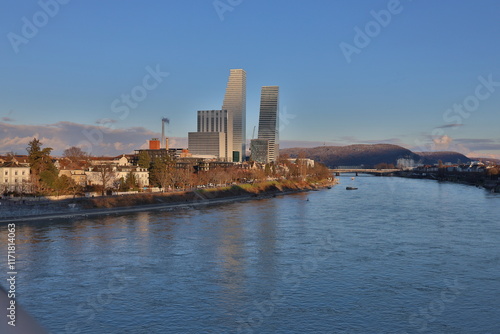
x=208 y=144
x=217 y=121
x=235 y=104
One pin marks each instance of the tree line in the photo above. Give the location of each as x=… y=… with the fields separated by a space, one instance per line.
x=163 y=173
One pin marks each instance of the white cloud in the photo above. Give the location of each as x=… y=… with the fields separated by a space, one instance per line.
x=443 y=142
x=97 y=140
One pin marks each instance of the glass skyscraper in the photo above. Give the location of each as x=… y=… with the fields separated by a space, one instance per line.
x=269 y=120
x=235 y=103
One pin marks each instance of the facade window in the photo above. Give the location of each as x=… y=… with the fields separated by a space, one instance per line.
x=15 y=173
x=15 y=180
x=6 y=173
x=24 y=172
x=6 y=180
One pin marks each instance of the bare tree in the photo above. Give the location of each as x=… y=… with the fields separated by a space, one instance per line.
x=75 y=153
x=105 y=175
x=77 y=158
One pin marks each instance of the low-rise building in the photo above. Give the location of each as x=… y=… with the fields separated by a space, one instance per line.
x=77 y=175
x=94 y=176
x=303 y=161
x=15 y=177
x=259 y=150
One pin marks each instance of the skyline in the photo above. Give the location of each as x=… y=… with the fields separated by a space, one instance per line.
x=367 y=72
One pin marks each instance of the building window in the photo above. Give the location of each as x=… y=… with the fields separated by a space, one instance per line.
x=15 y=173
x=6 y=173
x=24 y=172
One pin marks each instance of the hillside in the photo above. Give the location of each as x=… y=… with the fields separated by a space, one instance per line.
x=432 y=158
x=370 y=155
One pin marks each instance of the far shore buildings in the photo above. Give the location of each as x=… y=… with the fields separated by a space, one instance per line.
x=221 y=134
x=116 y=173
x=265 y=149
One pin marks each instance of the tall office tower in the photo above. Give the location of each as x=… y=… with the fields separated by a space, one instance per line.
x=218 y=121
x=235 y=102
x=269 y=119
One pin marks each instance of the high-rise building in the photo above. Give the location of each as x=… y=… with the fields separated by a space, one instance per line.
x=269 y=120
x=235 y=103
x=215 y=121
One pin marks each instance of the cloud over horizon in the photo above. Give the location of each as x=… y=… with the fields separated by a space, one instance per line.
x=96 y=140
x=100 y=140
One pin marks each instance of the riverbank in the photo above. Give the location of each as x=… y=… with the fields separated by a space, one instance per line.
x=82 y=207
x=472 y=179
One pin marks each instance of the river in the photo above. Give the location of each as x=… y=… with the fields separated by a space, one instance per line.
x=395 y=256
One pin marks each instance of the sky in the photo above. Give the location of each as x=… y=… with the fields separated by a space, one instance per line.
x=418 y=73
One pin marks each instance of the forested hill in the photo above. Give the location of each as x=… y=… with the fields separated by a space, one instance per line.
x=370 y=155
x=432 y=158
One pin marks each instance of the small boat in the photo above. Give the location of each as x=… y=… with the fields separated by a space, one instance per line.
x=329 y=187
x=351 y=188
x=352 y=178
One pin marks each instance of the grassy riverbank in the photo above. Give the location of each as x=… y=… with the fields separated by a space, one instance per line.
x=256 y=189
x=145 y=201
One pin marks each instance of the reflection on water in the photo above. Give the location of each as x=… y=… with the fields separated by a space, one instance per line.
x=375 y=260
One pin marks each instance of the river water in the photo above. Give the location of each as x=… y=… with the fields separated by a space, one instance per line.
x=395 y=256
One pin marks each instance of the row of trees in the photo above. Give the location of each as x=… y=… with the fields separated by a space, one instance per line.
x=163 y=172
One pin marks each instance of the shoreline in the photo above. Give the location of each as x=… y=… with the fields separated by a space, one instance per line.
x=474 y=181
x=165 y=201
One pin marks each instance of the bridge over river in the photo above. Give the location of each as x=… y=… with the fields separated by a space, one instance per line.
x=365 y=171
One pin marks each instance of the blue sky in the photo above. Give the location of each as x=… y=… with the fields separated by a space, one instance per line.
x=412 y=67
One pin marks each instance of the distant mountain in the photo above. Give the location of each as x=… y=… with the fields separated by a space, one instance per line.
x=432 y=158
x=370 y=155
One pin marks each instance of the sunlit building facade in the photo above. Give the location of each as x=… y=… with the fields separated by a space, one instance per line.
x=235 y=104
x=218 y=121
x=208 y=144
